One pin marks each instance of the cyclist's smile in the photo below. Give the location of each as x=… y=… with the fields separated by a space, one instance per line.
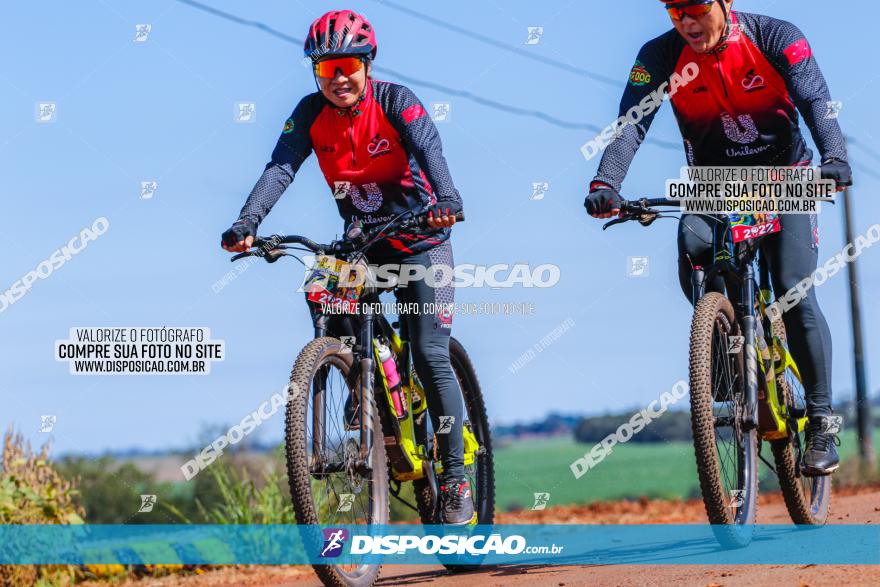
x=344 y=90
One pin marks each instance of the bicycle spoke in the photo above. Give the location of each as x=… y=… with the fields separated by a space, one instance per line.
x=728 y=435
x=341 y=496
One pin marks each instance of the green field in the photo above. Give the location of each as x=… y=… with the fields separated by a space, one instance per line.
x=666 y=470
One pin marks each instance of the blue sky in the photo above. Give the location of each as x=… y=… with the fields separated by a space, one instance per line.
x=162 y=110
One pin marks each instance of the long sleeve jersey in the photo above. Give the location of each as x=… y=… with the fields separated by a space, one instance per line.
x=742 y=107
x=380 y=158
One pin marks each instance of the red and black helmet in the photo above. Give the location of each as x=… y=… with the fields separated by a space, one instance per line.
x=340 y=32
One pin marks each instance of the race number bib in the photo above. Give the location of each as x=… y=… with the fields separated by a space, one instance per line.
x=335 y=282
x=748 y=226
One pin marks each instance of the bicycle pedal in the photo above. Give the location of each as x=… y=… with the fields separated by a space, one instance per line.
x=808 y=472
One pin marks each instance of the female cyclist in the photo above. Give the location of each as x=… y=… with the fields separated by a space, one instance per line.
x=381 y=156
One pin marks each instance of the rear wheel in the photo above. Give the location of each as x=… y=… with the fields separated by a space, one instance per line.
x=806 y=498
x=480 y=474
x=328 y=484
x=726 y=453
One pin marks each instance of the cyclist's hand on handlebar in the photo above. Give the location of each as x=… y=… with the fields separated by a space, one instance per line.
x=442 y=214
x=603 y=201
x=838 y=170
x=240 y=236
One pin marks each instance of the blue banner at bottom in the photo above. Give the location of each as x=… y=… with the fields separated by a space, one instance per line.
x=558 y=544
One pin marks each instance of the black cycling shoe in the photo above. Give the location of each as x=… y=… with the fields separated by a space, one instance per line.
x=456 y=503
x=820 y=454
x=352 y=413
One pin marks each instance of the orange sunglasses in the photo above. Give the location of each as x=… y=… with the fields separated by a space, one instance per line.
x=694 y=11
x=347 y=65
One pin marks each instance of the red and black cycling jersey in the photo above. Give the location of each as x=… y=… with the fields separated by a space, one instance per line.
x=380 y=158
x=742 y=108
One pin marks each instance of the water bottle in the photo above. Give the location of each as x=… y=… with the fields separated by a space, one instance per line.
x=389 y=366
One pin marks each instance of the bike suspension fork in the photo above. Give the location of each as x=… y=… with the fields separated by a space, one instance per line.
x=698 y=283
x=367 y=374
x=750 y=352
x=320 y=322
x=764 y=290
x=319 y=394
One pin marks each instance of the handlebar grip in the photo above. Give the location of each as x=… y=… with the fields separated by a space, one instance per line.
x=422 y=220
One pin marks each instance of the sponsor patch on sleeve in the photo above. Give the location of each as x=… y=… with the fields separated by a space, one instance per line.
x=288 y=126
x=798 y=51
x=414 y=112
x=639 y=75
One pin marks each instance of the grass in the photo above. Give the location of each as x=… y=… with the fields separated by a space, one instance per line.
x=527 y=467
x=662 y=470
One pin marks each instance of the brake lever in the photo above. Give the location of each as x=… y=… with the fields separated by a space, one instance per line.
x=611 y=223
x=270 y=256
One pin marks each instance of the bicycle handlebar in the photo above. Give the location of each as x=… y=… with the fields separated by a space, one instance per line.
x=269 y=247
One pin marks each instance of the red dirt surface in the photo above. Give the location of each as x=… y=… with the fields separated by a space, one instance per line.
x=849 y=506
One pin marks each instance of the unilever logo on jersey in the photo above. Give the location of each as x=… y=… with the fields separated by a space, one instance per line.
x=744 y=133
x=334 y=542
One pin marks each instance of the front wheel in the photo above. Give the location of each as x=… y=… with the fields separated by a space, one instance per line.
x=726 y=453
x=329 y=483
x=481 y=472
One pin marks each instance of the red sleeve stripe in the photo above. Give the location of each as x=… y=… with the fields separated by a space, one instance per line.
x=414 y=112
x=798 y=51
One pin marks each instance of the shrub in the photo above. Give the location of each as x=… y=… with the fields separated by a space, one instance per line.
x=33 y=492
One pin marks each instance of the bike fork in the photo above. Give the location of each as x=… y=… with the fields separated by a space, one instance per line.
x=750 y=351
x=698 y=284
x=367 y=373
x=750 y=355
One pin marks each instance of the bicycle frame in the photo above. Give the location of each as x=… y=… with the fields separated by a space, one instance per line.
x=408 y=456
x=777 y=410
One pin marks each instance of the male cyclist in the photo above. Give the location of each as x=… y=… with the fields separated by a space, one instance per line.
x=381 y=156
x=755 y=74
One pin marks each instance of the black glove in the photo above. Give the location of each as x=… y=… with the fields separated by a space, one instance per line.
x=838 y=170
x=445 y=208
x=239 y=231
x=602 y=200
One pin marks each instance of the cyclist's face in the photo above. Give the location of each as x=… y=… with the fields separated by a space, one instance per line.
x=702 y=33
x=343 y=91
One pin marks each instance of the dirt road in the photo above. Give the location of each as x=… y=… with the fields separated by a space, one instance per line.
x=854 y=506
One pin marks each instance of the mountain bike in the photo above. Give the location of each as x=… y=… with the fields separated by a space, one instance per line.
x=745 y=387
x=356 y=426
